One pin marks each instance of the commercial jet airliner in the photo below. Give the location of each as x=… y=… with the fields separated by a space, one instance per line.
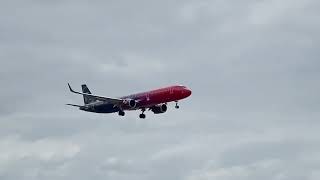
x=155 y=100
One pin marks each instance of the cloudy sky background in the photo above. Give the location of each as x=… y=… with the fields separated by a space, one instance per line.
x=253 y=66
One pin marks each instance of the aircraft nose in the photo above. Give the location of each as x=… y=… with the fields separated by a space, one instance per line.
x=188 y=92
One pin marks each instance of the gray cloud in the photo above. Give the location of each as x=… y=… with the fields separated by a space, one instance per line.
x=252 y=65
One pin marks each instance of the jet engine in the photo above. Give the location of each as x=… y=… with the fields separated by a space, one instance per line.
x=131 y=102
x=158 y=109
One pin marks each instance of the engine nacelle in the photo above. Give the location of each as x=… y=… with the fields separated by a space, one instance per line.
x=158 y=109
x=131 y=103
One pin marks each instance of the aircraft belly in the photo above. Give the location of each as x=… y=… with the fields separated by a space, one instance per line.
x=106 y=108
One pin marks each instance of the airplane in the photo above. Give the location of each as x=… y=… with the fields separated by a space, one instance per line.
x=155 y=100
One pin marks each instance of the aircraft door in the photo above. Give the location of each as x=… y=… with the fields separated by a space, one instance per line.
x=148 y=97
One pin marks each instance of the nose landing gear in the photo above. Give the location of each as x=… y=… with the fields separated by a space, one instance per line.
x=177 y=106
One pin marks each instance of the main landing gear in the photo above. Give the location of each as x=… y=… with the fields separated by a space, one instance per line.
x=121 y=113
x=142 y=115
x=177 y=106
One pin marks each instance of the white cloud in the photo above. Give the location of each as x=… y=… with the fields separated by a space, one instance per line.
x=15 y=149
x=252 y=65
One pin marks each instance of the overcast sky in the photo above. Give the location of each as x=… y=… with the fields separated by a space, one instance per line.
x=253 y=66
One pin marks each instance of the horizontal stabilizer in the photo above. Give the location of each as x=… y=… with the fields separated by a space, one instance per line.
x=74 y=105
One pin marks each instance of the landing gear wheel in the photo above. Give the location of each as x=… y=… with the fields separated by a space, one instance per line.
x=142 y=116
x=177 y=106
x=121 y=113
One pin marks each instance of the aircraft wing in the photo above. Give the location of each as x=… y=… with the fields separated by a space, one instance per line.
x=115 y=101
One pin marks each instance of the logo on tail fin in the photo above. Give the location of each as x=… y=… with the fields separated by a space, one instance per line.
x=87 y=99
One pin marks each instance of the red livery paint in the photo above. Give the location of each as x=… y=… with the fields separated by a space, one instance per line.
x=155 y=100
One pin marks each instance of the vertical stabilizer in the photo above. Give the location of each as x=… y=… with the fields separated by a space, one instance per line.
x=87 y=99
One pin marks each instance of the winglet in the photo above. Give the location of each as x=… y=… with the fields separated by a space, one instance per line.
x=71 y=88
